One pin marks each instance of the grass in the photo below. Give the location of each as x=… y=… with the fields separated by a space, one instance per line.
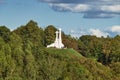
x=68 y=53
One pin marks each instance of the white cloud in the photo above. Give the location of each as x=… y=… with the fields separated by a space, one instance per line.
x=111 y=8
x=98 y=33
x=70 y=7
x=89 y=8
x=80 y=8
x=112 y=31
x=106 y=15
x=115 y=29
x=78 y=32
x=60 y=7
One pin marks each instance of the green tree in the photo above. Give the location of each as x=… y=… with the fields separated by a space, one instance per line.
x=115 y=49
x=4 y=33
x=90 y=46
x=30 y=70
x=106 y=51
x=32 y=32
x=49 y=34
x=17 y=53
x=115 y=67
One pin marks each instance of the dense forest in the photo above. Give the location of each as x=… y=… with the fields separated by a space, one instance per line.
x=24 y=56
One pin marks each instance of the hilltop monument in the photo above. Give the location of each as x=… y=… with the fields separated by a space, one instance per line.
x=58 y=41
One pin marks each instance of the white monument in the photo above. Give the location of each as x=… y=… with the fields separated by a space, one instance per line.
x=58 y=41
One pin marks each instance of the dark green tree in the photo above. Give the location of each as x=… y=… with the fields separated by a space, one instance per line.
x=4 y=33
x=17 y=53
x=29 y=68
x=49 y=34
x=31 y=32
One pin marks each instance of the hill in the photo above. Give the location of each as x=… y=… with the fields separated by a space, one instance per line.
x=24 y=56
x=67 y=64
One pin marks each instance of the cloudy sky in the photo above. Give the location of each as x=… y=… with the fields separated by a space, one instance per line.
x=75 y=17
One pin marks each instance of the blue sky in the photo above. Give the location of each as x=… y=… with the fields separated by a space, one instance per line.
x=75 y=17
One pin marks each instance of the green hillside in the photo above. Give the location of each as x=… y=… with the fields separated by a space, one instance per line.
x=63 y=52
x=70 y=65
x=24 y=56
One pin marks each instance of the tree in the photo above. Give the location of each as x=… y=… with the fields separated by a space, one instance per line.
x=4 y=33
x=29 y=67
x=49 y=34
x=115 y=67
x=32 y=32
x=90 y=46
x=115 y=49
x=17 y=53
x=70 y=42
x=3 y=62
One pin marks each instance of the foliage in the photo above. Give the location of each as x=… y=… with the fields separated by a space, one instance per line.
x=23 y=55
x=104 y=50
x=31 y=32
x=49 y=34
x=4 y=33
x=70 y=42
